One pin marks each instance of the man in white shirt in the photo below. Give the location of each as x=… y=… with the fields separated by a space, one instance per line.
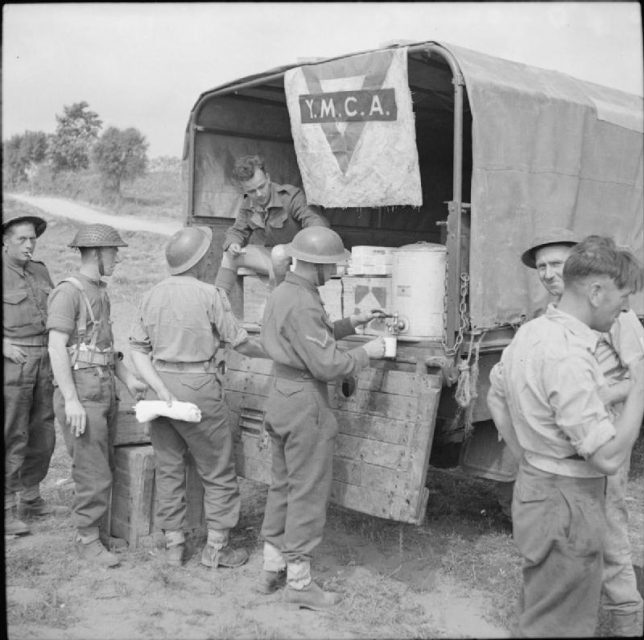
x=546 y=399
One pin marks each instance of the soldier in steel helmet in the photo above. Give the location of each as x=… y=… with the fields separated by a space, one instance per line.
x=270 y=215
x=29 y=435
x=81 y=347
x=182 y=322
x=299 y=337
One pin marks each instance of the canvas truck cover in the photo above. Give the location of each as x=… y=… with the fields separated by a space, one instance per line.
x=547 y=150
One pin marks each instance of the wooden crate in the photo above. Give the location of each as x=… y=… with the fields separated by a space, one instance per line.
x=128 y=430
x=134 y=500
x=361 y=294
x=256 y=292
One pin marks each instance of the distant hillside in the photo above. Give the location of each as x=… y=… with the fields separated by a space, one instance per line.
x=171 y=164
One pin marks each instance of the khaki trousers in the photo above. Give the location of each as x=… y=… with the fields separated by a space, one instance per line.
x=302 y=429
x=559 y=527
x=210 y=443
x=92 y=453
x=29 y=434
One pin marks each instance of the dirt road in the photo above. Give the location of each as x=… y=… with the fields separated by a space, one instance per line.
x=84 y=213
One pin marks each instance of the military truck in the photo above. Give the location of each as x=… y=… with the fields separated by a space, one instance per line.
x=501 y=150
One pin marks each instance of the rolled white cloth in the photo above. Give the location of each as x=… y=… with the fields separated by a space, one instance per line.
x=147 y=410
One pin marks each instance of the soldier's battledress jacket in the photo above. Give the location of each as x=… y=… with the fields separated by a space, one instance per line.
x=276 y=223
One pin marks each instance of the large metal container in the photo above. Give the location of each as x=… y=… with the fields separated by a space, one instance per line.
x=418 y=289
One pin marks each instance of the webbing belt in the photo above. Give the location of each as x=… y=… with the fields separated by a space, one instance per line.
x=204 y=366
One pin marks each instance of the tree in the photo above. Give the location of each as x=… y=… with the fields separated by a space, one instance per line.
x=120 y=155
x=21 y=153
x=76 y=133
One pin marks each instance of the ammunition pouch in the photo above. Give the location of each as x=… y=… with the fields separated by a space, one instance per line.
x=83 y=357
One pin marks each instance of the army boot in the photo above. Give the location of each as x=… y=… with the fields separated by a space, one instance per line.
x=95 y=553
x=38 y=508
x=303 y=592
x=270 y=581
x=218 y=553
x=311 y=597
x=13 y=526
x=175 y=546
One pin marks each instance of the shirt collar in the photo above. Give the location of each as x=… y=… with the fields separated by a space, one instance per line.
x=20 y=269
x=295 y=279
x=579 y=329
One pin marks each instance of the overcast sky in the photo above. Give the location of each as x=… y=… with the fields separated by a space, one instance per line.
x=144 y=65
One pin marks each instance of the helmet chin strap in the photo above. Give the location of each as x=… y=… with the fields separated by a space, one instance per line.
x=101 y=266
x=319 y=271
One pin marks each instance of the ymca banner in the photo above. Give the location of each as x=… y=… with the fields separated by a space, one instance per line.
x=353 y=128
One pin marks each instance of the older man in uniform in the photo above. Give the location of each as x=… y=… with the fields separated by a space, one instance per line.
x=298 y=336
x=29 y=435
x=547 y=401
x=81 y=347
x=182 y=323
x=270 y=216
x=547 y=255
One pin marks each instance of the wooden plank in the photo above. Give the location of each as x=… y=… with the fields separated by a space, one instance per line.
x=375 y=403
x=235 y=361
x=381 y=453
x=255 y=448
x=248 y=382
x=401 y=383
x=363 y=474
x=238 y=401
x=371 y=501
x=420 y=446
x=374 y=428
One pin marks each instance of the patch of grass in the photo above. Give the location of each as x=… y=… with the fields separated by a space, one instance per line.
x=161 y=194
x=245 y=629
x=51 y=612
x=379 y=604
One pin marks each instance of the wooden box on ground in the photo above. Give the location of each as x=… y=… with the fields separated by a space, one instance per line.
x=134 y=500
x=128 y=429
x=362 y=294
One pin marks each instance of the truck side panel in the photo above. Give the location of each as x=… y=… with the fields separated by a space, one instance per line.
x=386 y=425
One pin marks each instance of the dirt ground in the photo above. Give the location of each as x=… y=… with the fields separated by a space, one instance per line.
x=51 y=594
x=457 y=575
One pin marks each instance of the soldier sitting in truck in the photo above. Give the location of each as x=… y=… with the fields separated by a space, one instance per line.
x=272 y=214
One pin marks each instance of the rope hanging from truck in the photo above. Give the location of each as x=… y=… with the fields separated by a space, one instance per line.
x=466 y=386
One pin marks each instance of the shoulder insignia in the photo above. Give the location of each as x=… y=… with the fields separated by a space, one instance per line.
x=322 y=342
